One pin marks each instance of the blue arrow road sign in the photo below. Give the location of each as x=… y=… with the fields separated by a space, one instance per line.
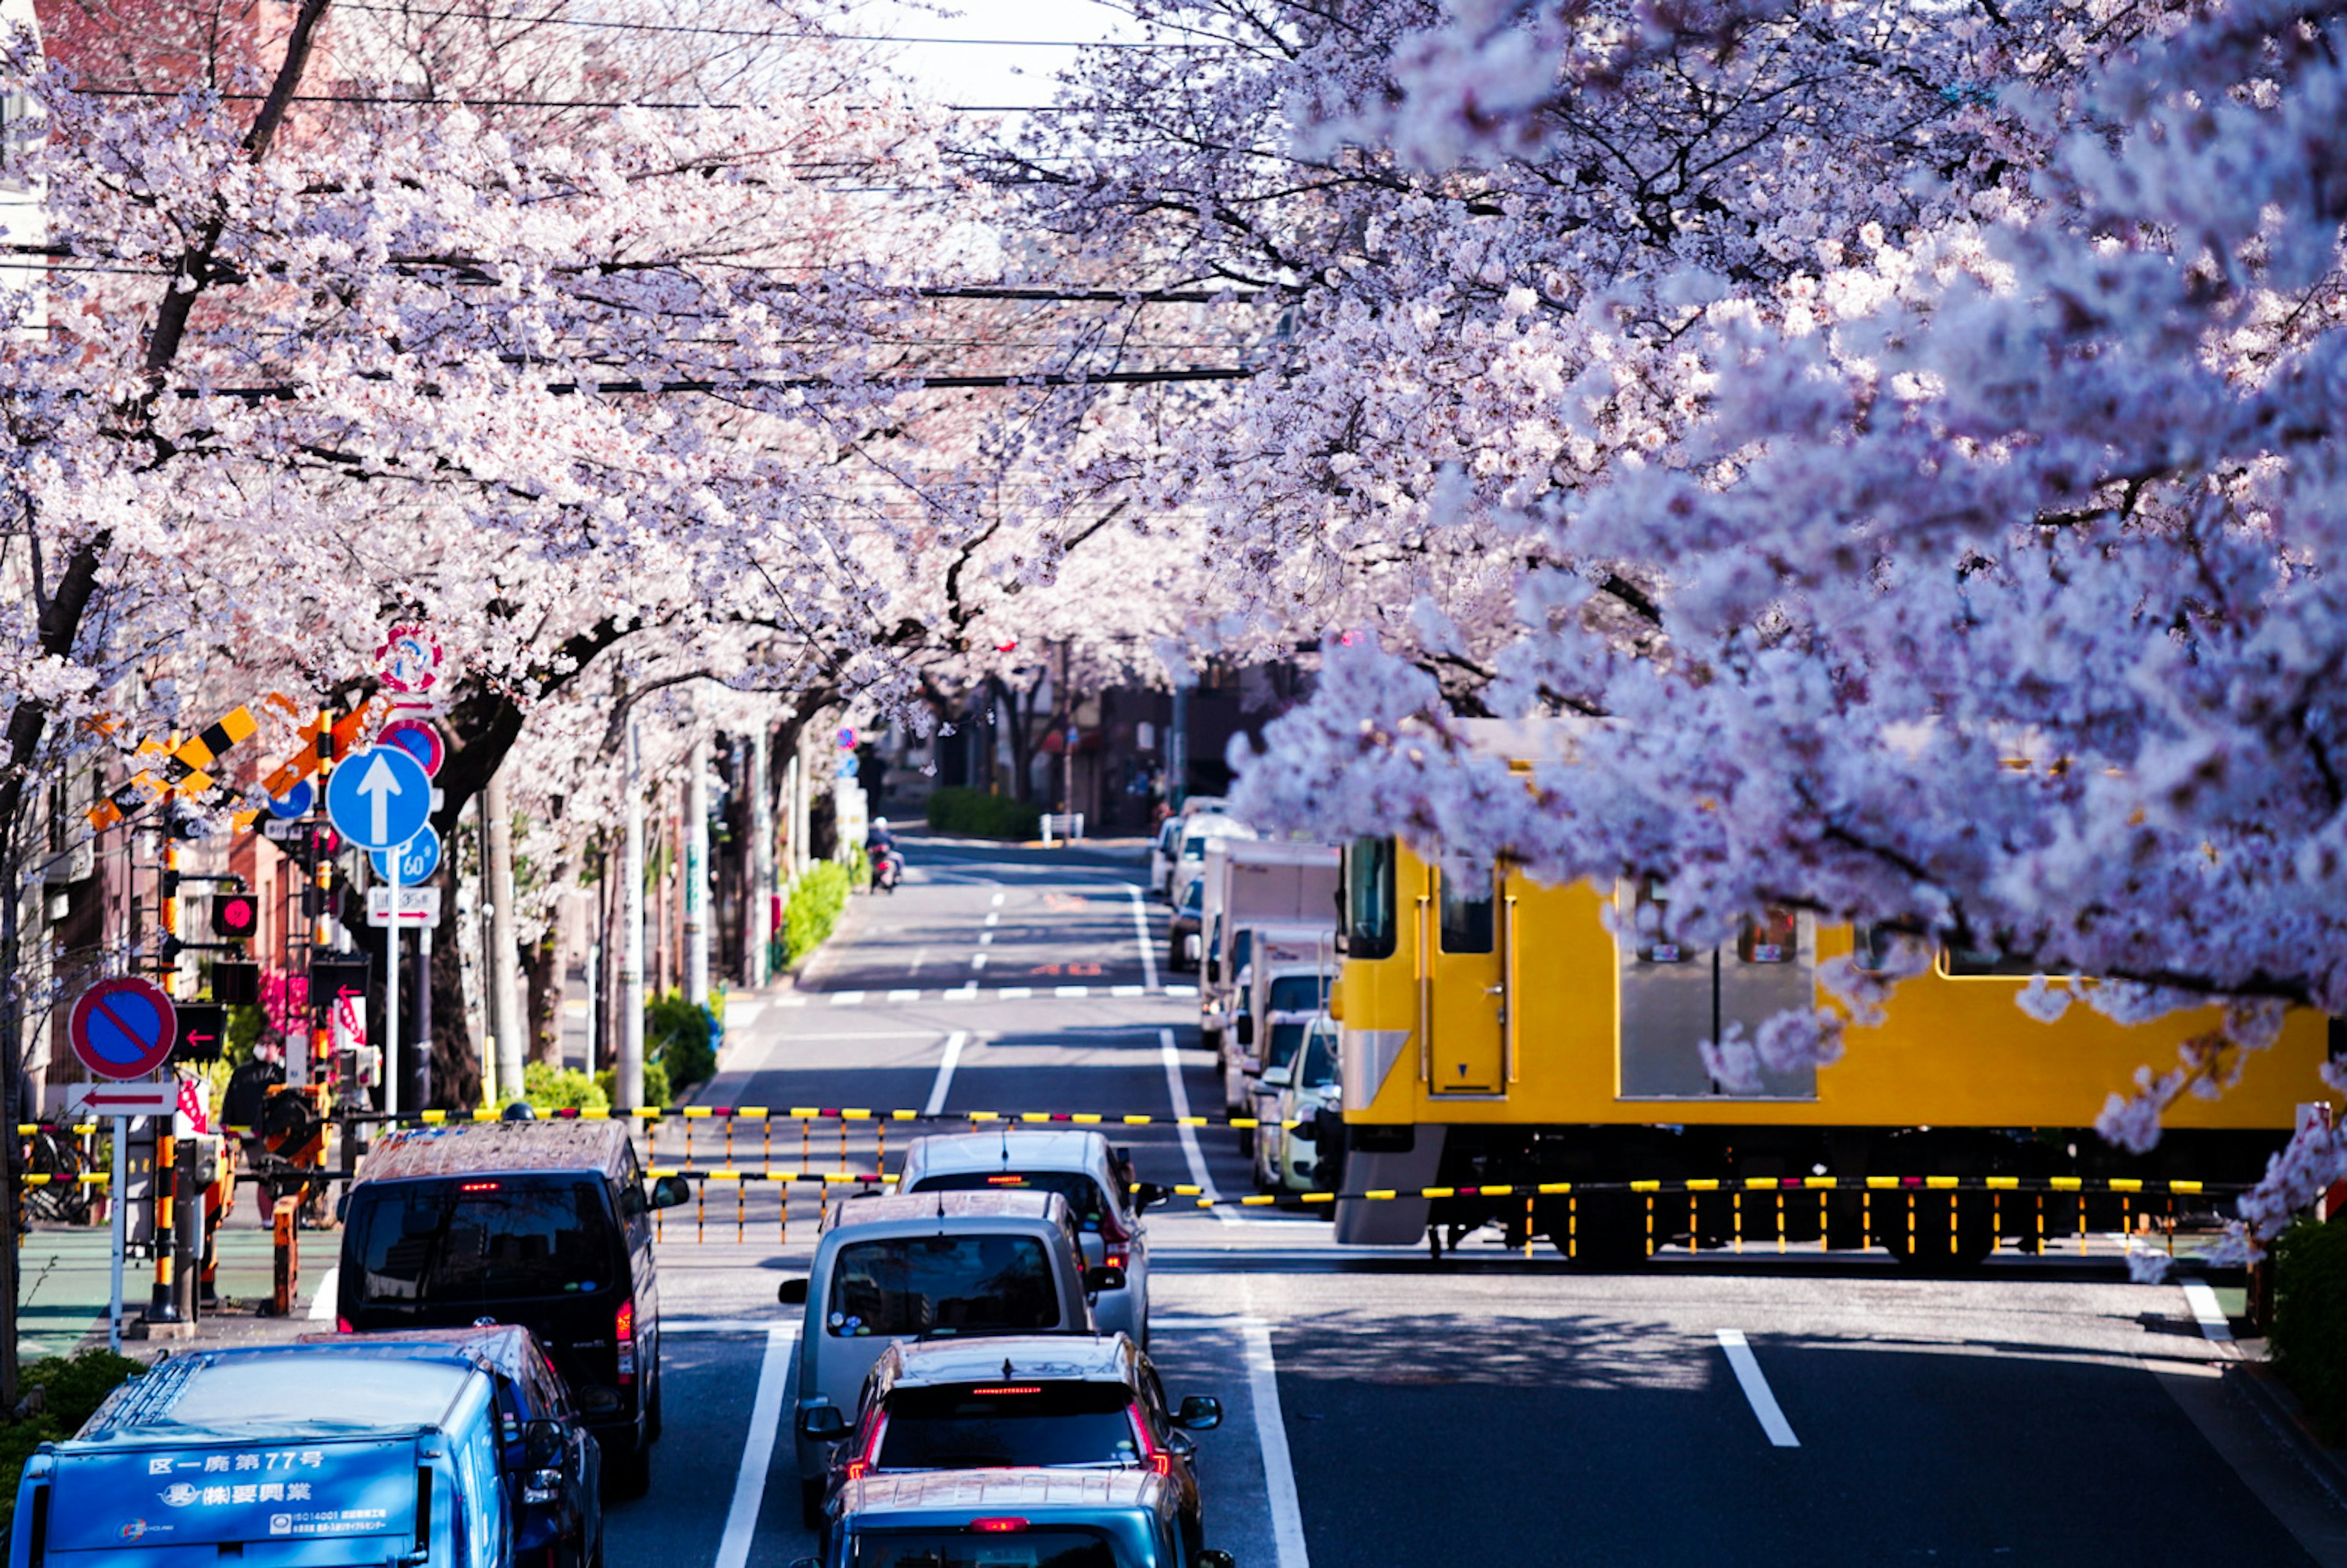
x=417 y=858
x=295 y=801
x=379 y=797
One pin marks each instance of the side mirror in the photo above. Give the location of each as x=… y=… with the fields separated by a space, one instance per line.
x=1199 y=1414
x=1147 y=1194
x=1244 y=1029
x=542 y=1443
x=793 y=1292
x=668 y=1192
x=1214 y=969
x=823 y=1423
x=1106 y=1277
x=1277 y=1077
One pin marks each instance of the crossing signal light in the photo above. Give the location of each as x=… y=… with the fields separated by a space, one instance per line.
x=236 y=985
x=203 y=1030
x=236 y=916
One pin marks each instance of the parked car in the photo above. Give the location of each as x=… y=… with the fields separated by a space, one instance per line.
x=1010 y=1519
x=1045 y=1401
x=557 y=1508
x=921 y=1265
x=1095 y=1179
x=1190 y=860
x=1287 y=1158
x=1182 y=930
x=1163 y=851
x=543 y=1223
x=1275 y=949
x=299 y=1456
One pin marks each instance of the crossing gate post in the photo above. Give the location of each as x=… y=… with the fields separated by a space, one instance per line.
x=288 y=1247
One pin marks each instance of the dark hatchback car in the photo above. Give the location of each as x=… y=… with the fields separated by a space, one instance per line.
x=1050 y=1401
x=552 y=1464
x=543 y=1223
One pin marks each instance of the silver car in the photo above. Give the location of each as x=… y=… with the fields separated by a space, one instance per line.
x=1094 y=1179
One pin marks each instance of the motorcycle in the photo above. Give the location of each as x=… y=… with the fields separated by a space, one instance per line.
x=887 y=865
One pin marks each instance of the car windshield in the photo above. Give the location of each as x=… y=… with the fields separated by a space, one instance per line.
x=1085 y=1200
x=943 y=1284
x=492 y=1239
x=1297 y=993
x=1194 y=900
x=1057 y=1547
x=1194 y=847
x=1281 y=1050
x=1319 y=1069
x=988 y=1425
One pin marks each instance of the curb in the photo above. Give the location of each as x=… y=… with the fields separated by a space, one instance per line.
x=2279 y=1409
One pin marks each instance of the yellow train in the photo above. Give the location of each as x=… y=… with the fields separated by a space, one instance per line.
x=1496 y=1032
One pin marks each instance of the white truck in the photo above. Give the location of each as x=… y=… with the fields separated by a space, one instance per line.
x=1253 y=884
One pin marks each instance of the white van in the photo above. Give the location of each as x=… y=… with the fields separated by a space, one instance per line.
x=925 y=1266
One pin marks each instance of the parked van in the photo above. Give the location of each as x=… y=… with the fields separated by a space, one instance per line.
x=286 y=1456
x=544 y=1223
x=926 y=1265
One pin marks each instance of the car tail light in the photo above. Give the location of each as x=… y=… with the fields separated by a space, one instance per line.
x=861 y=1465
x=478 y=1186
x=1157 y=1458
x=998 y=1526
x=623 y=1334
x=342 y=1325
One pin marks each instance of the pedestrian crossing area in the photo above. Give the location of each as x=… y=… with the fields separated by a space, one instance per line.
x=973 y=994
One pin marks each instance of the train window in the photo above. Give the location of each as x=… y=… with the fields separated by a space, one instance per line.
x=1880 y=949
x=1466 y=907
x=1973 y=963
x=1772 y=937
x=1647 y=916
x=1370 y=898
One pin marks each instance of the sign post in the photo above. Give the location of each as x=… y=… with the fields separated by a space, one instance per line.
x=122 y=1030
x=381 y=798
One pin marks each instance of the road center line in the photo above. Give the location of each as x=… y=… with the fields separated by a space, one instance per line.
x=1756 y=1389
x=1271 y=1433
x=2214 y=1325
x=994 y=918
x=1140 y=934
x=757 y=1447
x=996 y=900
x=938 y=1091
x=1189 y=1135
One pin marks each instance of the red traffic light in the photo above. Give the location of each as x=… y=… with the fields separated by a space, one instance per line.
x=235 y=915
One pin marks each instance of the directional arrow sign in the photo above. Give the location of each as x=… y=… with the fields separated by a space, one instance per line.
x=417 y=858
x=379 y=798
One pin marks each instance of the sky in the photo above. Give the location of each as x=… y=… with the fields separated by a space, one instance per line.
x=1021 y=35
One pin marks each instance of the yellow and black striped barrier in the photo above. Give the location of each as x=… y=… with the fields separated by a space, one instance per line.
x=689 y=1114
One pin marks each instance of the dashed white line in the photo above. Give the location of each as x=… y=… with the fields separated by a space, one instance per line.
x=1128 y=990
x=977 y=960
x=1756 y=1389
x=900 y=996
x=2215 y=1326
x=1271 y=1437
x=985 y=939
x=944 y=1085
x=994 y=919
x=1056 y=991
x=1015 y=993
x=996 y=900
x=848 y=999
x=962 y=993
x=1140 y=934
x=1181 y=991
x=758 y=1448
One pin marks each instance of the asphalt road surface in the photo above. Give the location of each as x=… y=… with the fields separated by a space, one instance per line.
x=1383 y=1409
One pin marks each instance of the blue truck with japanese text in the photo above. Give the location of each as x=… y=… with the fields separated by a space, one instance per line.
x=310 y=1456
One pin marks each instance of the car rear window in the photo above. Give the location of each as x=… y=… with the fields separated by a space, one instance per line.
x=1085 y=1200
x=978 y=1426
x=1057 y=1547
x=508 y=1238
x=1296 y=994
x=943 y=1284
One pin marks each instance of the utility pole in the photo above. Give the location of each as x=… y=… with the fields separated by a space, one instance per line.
x=1067 y=705
x=696 y=874
x=761 y=852
x=505 y=962
x=631 y=1075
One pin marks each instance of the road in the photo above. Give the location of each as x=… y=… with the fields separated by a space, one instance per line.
x=1385 y=1409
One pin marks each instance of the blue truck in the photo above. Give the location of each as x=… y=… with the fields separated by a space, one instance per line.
x=304 y=1455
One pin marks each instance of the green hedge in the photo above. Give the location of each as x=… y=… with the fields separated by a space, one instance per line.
x=2310 y=1326
x=72 y=1387
x=656 y=1092
x=550 y=1087
x=816 y=902
x=680 y=1036
x=976 y=813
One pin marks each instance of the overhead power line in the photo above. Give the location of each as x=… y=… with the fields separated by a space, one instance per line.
x=286 y=392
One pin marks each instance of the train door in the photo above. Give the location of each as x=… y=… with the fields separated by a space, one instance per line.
x=1674 y=998
x=1463 y=990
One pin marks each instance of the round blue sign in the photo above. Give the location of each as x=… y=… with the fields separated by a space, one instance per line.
x=295 y=801
x=379 y=798
x=418 y=857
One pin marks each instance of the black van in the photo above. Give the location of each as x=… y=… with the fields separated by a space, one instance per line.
x=543 y=1223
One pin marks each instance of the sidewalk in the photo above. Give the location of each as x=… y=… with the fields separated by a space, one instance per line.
x=65 y=1275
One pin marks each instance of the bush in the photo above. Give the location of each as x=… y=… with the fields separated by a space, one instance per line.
x=682 y=1036
x=818 y=900
x=2309 y=1320
x=655 y=1084
x=979 y=814
x=72 y=1387
x=550 y=1087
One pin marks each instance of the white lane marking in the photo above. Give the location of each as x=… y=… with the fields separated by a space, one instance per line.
x=992 y=920
x=729 y=1326
x=899 y=996
x=977 y=960
x=848 y=999
x=1180 y=991
x=938 y=1091
x=985 y=939
x=757 y=1447
x=1189 y=1135
x=1140 y=935
x=330 y=1283
x=1015 y=993
x=1056 y=991
x=1756 y=1389
x=797 y=1035
x=964 y=992
x=2214 y=1327
x=996 y=900
x=1270 y=1434
x=1128 y=990
x=920 y=956
x=791 y=1001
